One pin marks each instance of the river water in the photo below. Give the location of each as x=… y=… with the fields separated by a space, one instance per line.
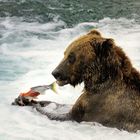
x=33 y=37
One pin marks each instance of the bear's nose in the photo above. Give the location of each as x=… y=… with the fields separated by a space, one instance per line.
x=56 y=74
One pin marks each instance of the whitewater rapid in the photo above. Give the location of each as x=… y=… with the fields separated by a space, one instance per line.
x=28 y=54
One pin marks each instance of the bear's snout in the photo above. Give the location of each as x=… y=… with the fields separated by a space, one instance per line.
x=57 y=74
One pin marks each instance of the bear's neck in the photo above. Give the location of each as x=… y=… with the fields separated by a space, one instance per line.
x=99 y=88
x=97 y=80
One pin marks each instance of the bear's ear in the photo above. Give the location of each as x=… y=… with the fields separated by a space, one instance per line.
x=103 y=47
x=94 y=32
x=107 y=47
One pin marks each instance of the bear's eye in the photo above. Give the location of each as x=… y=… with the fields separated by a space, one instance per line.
x=71 y=58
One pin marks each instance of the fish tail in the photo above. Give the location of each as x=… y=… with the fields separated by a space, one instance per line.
x=53 y=87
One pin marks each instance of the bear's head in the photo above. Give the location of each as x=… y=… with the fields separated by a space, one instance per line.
x=91 y=58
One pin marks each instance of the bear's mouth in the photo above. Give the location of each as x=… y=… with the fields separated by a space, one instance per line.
x=62 y=82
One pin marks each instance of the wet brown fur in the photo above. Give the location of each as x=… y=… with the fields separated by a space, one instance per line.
x=112 y=85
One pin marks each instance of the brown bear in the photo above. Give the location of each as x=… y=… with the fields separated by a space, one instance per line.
x=111 y=94
x=111 y=84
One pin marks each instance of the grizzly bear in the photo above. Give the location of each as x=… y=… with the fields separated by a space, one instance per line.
x=111 y=94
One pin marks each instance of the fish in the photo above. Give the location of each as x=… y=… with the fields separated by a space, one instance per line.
x=30 y=95
x=42 y=88
x=37 y=90
x=33 y=93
